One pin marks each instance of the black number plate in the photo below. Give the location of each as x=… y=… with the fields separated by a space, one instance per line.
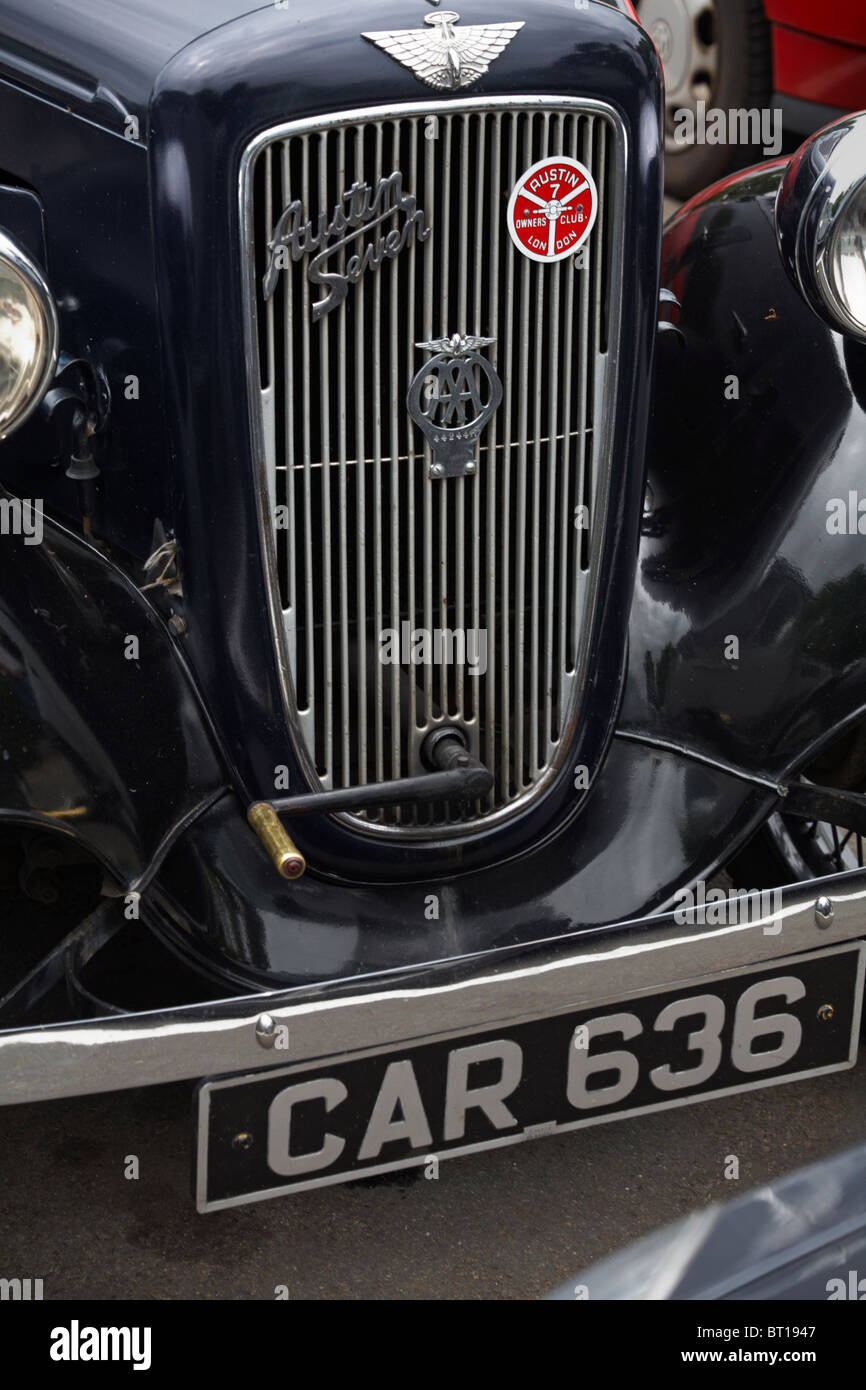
x=298 y=1127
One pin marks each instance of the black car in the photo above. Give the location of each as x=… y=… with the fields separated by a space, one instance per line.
x=420 y=579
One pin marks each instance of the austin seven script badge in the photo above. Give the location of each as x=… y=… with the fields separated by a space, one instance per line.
x=552 y=209
x=443 y=56
x=361 y=212
x=452 y=398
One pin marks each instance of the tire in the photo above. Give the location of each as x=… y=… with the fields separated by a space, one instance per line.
x=717 y=51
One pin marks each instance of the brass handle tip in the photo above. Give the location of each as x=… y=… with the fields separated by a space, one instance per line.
x=292 y=865
x=285 y=855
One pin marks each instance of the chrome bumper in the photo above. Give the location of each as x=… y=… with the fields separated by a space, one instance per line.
x=447 y=998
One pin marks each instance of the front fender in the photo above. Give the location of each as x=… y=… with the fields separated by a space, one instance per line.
x=748 y=628
x=108 y=748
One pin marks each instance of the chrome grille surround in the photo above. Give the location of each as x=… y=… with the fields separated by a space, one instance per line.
x=468 y=277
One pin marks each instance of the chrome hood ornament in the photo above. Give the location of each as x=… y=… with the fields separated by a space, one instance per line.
x=447 y=58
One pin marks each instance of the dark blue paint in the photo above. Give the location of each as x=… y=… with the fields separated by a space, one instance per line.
x=142 y=248
x=737 y=543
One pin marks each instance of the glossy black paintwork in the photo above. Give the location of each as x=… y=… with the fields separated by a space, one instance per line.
x=22 y=218
x=98 y=258
x=101 y=58
x=652 y=822
x=112 y=751
x=737 y=541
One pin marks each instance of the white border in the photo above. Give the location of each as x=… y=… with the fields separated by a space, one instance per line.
x=857 y=948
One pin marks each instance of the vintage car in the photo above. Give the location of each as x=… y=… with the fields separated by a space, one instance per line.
x=420 y=582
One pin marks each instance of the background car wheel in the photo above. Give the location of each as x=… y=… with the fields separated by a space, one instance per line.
x=716 y=51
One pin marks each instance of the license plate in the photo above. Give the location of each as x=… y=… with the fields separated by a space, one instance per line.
x=298 y=1127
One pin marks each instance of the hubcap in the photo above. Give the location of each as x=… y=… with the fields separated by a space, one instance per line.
x=685 y=34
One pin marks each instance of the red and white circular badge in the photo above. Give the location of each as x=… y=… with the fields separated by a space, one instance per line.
x=552 y=209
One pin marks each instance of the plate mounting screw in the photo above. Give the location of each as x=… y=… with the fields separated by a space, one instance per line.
x=826 y=1012
x=243 y=1141
x=823 y=912
x=436 y=470
x=266 y=1031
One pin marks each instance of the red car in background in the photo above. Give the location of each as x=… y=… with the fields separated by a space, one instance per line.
x=805 y=58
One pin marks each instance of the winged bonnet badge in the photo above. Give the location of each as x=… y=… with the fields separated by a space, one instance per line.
x=447 y=57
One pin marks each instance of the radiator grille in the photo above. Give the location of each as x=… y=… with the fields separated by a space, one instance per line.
x=363 y=541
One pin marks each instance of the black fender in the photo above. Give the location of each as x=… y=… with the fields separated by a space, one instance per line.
x=759 y=432
x=109 y=749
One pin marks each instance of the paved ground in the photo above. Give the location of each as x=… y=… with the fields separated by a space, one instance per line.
x=505 y=1225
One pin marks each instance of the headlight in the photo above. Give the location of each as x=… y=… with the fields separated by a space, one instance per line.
x=28 y=336
x=843 y=269
x=821 y=223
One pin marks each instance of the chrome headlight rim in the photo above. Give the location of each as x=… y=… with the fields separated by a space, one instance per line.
x=825 y=176
x=839 y=188
x=13 y=254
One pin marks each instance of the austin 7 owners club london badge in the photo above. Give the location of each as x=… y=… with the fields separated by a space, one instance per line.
x=552 y=209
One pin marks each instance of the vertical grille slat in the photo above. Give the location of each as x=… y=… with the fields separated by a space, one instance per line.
x=481 y=237
x=490 y=753
x=524 y=392
x=309 y=550
x=343 y=553
x=431 y=208
x=289 y=438
x=444 y=495
x=378 y=578
x=567 y=520
x=327 y=550
x=583 y=443
x=507 y=778
x=360 y=501
x=411 y=456
x=460 y=490
x=369 y=544
x=394 y=451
